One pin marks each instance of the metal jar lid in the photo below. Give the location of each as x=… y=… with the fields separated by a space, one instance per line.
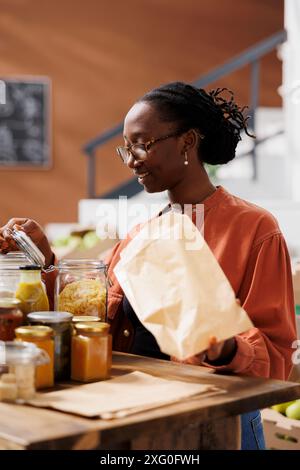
x=28 y=247
x=38 y=332
x=49 y=317
x=100 y=328
x=9 y=303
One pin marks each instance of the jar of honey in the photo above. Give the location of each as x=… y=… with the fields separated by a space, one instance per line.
x=43 y=338
x=11 y=317
x=91 y=352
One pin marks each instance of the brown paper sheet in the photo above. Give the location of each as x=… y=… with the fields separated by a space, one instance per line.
x=121 y=396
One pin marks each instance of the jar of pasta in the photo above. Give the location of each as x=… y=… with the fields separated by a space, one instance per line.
x=91 y=352
x=81 y=288
x=42 y=337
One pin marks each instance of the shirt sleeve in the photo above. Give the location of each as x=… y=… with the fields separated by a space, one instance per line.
x=266 y=294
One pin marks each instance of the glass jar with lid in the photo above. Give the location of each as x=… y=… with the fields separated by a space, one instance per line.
x=42 y=337
x=19 y=360
x=81 y=288
x=91 y=352
x=60 y=322
x=20 y=274
x=31 y=290
x=11 y=317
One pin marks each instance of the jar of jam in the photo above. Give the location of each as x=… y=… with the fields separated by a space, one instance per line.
x=43 y=338
x=61 y=324
x=91 y=352
x=11 y=317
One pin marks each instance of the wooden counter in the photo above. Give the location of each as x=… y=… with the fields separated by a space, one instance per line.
x=207 y=422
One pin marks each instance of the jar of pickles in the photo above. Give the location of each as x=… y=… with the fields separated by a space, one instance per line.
x=81 y=288
x=91 y=352
x=43 y=338
x=60 y=322
x=11 y=317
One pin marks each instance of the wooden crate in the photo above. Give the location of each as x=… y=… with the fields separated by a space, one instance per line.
x=281 y=433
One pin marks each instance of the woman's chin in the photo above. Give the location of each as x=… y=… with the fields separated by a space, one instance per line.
x=149 y=188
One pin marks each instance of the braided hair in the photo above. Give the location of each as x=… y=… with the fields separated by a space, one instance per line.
x=219 y=121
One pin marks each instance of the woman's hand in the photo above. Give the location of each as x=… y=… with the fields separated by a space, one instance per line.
x=32 y=229
x=218 y=353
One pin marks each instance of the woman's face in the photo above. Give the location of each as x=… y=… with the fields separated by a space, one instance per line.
x=163 y=166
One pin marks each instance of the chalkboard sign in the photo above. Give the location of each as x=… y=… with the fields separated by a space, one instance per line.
x=25 y=123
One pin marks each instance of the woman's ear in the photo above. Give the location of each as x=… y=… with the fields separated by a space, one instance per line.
x=190 y=139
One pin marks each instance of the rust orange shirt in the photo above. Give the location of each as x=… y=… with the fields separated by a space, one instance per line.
x=252 y=252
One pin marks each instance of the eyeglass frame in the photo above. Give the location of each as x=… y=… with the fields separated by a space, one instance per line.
x=147 y=145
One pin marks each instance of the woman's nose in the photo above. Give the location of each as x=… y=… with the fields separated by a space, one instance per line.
x=132 y=162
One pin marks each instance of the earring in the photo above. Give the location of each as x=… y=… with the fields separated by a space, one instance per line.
x=186 y=159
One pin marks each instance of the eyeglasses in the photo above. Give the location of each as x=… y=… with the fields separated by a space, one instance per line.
x=140 y=150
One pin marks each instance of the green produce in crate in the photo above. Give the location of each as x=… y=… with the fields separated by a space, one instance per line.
x=281 y=407
x=70 y=241
x=90 y=239
x=293 y=411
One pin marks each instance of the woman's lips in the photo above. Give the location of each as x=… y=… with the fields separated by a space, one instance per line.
x=142 y=177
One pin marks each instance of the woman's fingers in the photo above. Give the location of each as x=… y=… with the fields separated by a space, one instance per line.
x=7 y=243
x=6 y=229
x=193 y=360
x=215 y=348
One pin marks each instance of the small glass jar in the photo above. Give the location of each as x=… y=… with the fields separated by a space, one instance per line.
x=91 y=352
x=11 y=317
x=61 y=324
x=81 y=288
x=42 y=337
x=31 y=290
x=20 y=360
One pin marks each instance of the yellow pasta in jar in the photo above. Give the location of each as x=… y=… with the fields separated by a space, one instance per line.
x=84 y=297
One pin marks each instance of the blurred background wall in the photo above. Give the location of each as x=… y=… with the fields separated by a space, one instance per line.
x=100 y=57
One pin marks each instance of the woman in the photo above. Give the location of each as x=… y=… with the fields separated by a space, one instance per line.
x=169 y=134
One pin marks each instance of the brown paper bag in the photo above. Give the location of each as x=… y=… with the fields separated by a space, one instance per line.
x=177 y=288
